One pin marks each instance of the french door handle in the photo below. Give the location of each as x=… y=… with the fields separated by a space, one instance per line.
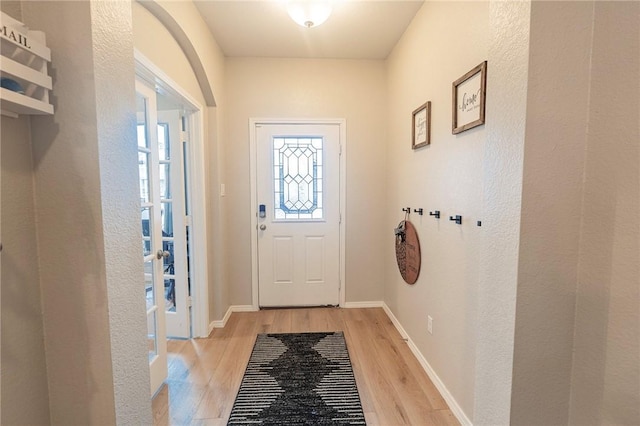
x=263 y=227
x=162 y=254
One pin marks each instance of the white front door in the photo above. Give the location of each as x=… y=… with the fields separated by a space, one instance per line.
x=152 y=241
x=298 y=225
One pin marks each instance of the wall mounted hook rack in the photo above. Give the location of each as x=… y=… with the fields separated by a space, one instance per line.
x=457 y=219
x=435 y=214
x=419 y=211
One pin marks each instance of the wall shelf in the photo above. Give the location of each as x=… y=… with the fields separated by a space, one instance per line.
x=24 y=58
x=22 y=104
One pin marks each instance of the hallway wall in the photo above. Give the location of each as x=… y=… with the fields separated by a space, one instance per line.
x=24 y=394
x=509 y=50
x=85 y=171
x=72 y=182
x=576 y=355
x=444 y=41
x=311 y=88
x=25 y=399
x=555 y=140
x=562 y=134
x=156 y=43
x=605 y=380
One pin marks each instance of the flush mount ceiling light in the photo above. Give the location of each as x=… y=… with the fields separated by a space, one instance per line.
x=309 y=13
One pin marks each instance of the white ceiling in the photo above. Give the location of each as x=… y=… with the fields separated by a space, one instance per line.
x=356 y=29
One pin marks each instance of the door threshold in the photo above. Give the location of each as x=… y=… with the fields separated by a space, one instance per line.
x=269 y=308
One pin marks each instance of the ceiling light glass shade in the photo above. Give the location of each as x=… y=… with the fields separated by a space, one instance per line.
x=309 y=13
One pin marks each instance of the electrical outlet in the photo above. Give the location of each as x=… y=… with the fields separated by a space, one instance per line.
x=429 y=324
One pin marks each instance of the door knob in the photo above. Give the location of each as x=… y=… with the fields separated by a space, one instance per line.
x=263 y=227
x=162 y=254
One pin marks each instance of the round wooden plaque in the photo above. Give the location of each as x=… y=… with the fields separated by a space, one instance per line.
x=408 y=252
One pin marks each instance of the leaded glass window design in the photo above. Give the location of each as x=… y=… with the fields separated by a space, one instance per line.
x=298 y=178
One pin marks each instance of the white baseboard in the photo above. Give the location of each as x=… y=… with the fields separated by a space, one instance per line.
x=453 y=404
x=371 y=304
x=242 y=308
x=395 y=322
x=233 y=308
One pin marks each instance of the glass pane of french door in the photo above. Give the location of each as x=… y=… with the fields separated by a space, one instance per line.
x=173 y=213
x=151 y=223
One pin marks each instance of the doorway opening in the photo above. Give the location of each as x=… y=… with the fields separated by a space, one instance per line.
x=173 y=216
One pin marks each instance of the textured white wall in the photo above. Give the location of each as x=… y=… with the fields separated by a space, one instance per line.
x=25 y=399
x=119 y=193
x=502 y=188
x=24 y=376
x=154 y=41
x=605 y=386
x=207 y=49
x=443 y=42
x=85 y=172
x=289 y=88
x=555 y=140
x=213 y=61
x=579 y=221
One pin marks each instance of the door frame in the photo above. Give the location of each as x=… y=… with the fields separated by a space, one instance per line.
x=253 y=152
x=153 y=75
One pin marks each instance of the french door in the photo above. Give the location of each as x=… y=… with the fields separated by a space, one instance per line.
x=153 y=254
x=171 y=140
x=161 y=159
x=298 y=198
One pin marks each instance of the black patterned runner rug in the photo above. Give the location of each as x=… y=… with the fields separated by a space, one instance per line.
x=298 y=379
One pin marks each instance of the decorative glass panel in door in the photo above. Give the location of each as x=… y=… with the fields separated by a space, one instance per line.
x=298 y=177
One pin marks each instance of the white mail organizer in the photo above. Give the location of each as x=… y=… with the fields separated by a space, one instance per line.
x=24 y=59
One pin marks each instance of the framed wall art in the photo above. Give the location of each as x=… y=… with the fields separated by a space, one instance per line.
x=421 y=129
x=469 y=93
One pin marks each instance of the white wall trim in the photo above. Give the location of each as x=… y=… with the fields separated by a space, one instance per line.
x=453 y=404
x=159 y=80
x=233 y=308
x=199 y=224
x=342 y=124
x=253 y=164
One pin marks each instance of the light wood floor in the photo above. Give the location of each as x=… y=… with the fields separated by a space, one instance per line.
x=205 y=374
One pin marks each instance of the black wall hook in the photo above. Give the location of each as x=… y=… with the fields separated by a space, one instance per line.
x=436 y=214
x=457 y=219
x=419 y=211
x=407 y=210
